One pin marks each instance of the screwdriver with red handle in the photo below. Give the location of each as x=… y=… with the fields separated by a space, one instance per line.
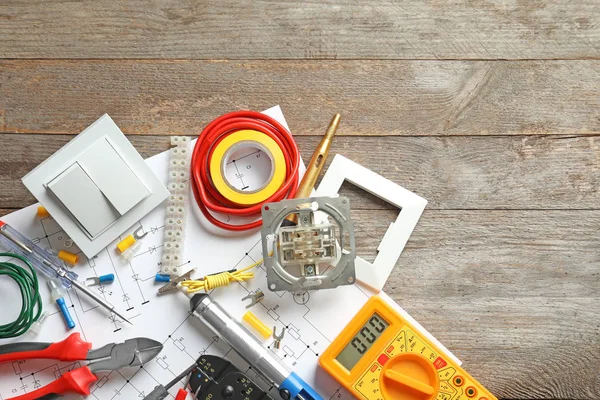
x=131 y=353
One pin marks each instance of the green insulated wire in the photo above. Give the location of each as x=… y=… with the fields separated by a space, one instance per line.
x=31 y=306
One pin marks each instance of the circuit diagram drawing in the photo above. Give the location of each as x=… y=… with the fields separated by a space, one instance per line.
x=312 y=319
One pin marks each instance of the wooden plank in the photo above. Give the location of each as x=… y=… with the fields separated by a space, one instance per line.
x=514 y=294
x=374 y=97
x=461 y=172
x=217 y=29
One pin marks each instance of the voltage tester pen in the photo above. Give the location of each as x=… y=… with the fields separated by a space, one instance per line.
x=48 y=264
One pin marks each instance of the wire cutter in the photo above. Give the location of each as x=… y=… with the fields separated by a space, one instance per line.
x=172 y=285
x=131 y=353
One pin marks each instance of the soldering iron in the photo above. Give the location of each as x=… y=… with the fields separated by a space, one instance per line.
x=289 y=384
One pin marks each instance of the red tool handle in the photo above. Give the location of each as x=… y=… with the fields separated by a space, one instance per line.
x=76 y=381
x=72 y=348
x=181 y=394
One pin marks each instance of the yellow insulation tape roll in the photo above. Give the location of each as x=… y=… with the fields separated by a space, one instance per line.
x=247 y=138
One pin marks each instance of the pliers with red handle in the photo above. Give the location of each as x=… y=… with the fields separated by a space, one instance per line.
x=131 y=353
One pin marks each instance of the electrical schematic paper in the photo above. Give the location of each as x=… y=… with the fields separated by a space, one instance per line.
x=312 y=319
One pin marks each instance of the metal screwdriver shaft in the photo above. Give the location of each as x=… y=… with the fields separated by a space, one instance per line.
x=99 y=300
x=48 y=264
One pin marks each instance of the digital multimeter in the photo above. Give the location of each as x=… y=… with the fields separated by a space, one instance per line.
x=381 y=356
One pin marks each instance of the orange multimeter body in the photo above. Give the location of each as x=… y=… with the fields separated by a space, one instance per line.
x=379 y=355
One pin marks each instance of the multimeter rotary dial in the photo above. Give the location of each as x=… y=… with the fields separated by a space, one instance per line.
x=409 y=376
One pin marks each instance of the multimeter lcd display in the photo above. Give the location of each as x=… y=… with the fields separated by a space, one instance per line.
x=362 y=341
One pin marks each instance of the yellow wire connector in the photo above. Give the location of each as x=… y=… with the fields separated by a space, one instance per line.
x=210 y=282
x=126 y=243
x=257 y=324
x=42 y=212
x=130 y=240
x=67 y=257
x=129 y=246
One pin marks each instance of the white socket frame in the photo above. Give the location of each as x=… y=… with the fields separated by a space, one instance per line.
x=375 y=275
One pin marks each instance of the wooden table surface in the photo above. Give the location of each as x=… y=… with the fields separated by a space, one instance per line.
x=489 y=110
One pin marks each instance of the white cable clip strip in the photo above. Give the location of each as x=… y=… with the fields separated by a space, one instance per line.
x=176 y=211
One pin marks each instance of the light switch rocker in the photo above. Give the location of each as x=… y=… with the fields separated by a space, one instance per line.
x=96 y=186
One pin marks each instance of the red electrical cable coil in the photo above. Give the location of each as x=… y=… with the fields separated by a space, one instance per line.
x=208 y=198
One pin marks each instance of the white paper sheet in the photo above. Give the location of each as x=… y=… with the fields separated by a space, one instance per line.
x=313 y=319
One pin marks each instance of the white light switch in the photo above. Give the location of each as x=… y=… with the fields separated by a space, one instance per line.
x=112 y=176
x=84 y=200
x=97 y=186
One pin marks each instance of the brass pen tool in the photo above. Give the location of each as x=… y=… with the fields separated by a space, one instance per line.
x=314 y=167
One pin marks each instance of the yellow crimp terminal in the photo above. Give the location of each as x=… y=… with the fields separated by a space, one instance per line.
x=42 y=212
x=257 y=324
x=67 y=257
x=126 y=243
